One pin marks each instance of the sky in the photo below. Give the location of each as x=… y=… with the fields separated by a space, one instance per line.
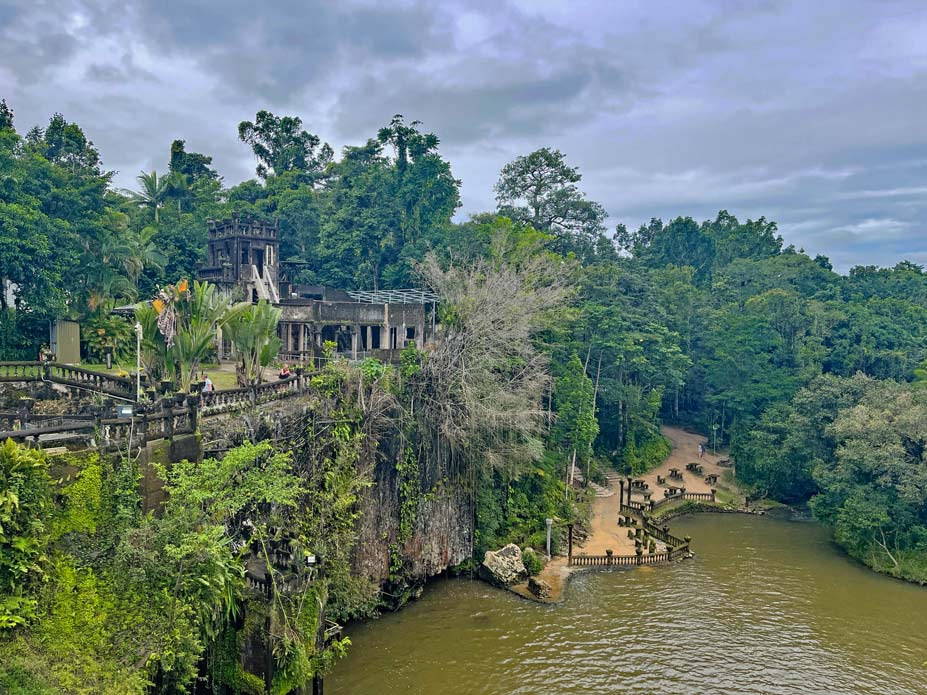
x=810 y=113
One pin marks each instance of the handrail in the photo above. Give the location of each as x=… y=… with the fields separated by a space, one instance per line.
x=150 y=421
x=67 y=375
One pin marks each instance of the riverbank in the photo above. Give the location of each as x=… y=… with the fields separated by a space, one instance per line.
x=769 y=606
x=607 y=537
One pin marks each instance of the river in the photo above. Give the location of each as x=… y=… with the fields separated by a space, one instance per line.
x=768 y=606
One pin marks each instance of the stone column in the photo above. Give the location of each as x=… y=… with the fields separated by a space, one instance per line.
x=620 y=495
x=355 y=338
x=369 y=338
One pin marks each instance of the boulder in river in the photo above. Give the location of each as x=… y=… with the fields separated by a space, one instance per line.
x=539 y=587
x=503 y=567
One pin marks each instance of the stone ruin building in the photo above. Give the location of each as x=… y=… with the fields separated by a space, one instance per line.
x=243 y=259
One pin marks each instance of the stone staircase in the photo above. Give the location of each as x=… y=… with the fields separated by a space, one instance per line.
x=600 y=491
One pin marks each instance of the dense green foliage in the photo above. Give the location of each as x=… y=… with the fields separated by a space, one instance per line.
x=558 y=344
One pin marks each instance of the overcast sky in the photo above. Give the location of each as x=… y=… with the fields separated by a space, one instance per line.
x=812 y=113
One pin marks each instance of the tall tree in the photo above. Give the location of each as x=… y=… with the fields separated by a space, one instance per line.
x=6 y=116
x=387 y=212
x=540 y=189
x=280 y=145
x=153 y=192
x=190 y=164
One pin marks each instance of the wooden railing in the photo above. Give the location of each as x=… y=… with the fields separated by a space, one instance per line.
x=657 y=503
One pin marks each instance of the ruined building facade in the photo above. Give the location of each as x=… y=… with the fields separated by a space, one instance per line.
x=243 y=259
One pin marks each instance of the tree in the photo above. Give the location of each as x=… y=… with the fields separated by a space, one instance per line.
x=154 y=191
x=252 y=329
x=574 y=402
x=680 y=243
x=280 y=145
x=6 y=116
x=874 y=490
x=67 y=146
x=386 y=212
x=179 y=329
x=193 y=165
x=539 y=189
x=480 y=390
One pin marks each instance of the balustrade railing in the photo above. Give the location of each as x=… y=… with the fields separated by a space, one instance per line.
x=675 y=547
x=68 y=375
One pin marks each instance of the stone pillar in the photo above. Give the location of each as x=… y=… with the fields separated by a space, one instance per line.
x=620 y=495
x=355 y=338
x=302 y=341
x=369 y=338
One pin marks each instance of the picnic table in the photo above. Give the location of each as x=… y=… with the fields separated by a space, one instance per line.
x=711 y=478
x=694 y=467
x=674 y=473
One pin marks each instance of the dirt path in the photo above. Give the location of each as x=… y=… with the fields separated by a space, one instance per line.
x=604 y=531
x=685 y=451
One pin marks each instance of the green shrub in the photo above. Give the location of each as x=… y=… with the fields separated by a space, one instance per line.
x=25 y=507
x=532 y=561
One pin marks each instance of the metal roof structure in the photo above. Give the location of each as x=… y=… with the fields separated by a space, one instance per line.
x=410 y=296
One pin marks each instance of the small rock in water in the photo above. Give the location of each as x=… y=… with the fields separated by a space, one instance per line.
x=539 y=587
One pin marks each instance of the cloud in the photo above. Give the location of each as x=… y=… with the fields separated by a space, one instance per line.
x=808 y=113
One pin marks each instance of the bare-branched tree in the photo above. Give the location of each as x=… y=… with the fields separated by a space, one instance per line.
x=478 y=396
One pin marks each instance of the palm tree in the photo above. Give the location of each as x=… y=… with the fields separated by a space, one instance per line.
x=154 y=191
x=201 y=311
x=252 y=328
x=141 y=253
x=177 y=187
x=197 y=312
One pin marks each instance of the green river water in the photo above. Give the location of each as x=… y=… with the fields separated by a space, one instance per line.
x=768 y=606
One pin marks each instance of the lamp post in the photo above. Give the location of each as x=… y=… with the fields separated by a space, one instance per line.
x=714 y=432
x=138 y=361
x=549 y=522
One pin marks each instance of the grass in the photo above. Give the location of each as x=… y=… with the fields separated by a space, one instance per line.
x=221 y=378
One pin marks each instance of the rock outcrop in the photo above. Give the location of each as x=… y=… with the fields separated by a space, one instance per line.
x=539 y=587
x=503 y=567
